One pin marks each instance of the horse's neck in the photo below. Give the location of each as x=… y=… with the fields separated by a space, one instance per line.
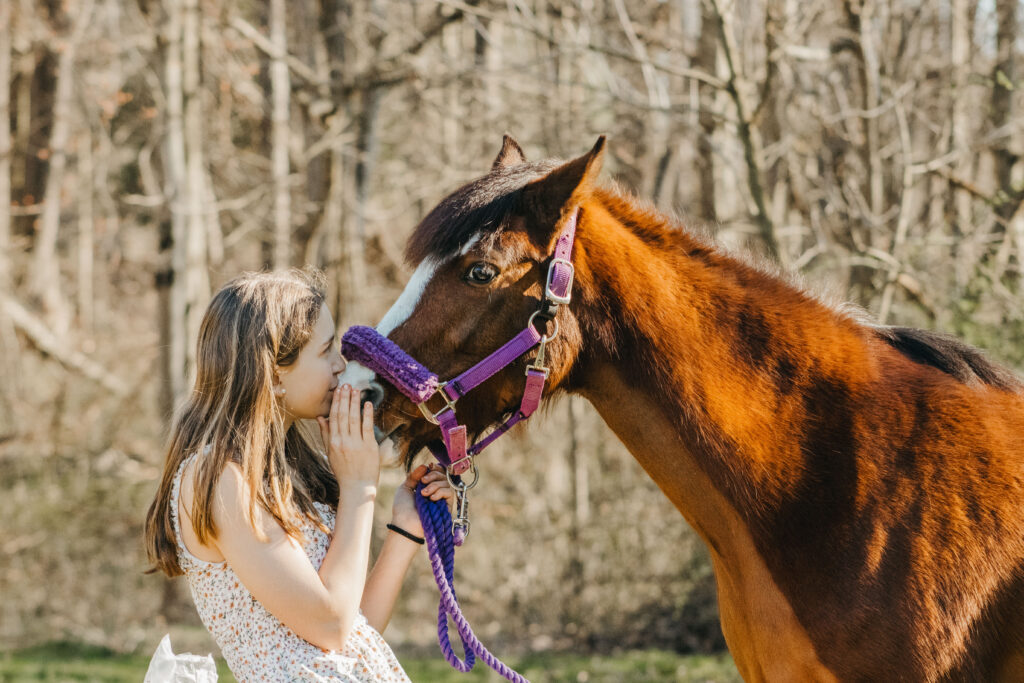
x=726 y=361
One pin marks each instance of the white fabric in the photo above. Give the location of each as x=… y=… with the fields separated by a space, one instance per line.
x=167 y=667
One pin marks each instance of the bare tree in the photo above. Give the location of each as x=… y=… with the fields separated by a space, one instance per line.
x=280 y=87
x=185 y=179
x=45 y=263
x=5 y=145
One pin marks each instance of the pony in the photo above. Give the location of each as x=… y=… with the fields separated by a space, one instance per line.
x=860 y=487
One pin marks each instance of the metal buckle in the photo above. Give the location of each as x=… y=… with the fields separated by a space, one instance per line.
x=460 y=520
x=538 y=362
x=548 y=294
x=449 y=404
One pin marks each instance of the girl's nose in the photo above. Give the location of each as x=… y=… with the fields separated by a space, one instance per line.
x=339 y=364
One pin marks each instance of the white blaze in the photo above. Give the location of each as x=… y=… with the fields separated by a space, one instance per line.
x=358 y=376
x=469 y=245
x=406 y=303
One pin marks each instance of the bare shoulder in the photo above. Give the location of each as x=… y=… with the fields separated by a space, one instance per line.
x=230 y=506
x=207 y=552
x=229 y=491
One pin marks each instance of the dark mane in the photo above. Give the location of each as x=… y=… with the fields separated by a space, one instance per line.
x=480 y=206
x=949 y=354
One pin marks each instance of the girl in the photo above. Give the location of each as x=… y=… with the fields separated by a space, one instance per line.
x=272 y=536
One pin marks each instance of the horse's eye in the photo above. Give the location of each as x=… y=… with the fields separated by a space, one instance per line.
x=481 y=273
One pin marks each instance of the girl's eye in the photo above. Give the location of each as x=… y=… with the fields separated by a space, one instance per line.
x=480 y=273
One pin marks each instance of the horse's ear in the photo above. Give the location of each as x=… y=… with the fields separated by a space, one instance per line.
x=511 y=154
x=545 y=200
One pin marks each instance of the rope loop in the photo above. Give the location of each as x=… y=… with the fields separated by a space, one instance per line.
x=437 y=530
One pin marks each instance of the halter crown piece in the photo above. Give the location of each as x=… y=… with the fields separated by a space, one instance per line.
x=378 y=353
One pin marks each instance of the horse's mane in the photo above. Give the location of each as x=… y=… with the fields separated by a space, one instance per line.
x=483 y=206
x=480 y=207
x=942 y=351
x=947 y=353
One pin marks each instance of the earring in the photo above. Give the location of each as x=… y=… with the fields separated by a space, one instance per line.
x=279 y=391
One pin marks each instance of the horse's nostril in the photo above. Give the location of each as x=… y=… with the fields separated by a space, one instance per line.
x=374 y=394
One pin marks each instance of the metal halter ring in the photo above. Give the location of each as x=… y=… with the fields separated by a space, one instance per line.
x=545 y=338
x=460 y=485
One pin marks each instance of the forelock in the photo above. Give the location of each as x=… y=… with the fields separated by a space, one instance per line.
x=480 y=207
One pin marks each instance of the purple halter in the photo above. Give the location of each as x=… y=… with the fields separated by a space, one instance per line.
x=378 y=353
x=366 y=346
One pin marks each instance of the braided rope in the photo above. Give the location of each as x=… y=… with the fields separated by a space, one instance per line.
x=437 y=530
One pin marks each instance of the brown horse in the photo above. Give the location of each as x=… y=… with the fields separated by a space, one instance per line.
x=860 y=487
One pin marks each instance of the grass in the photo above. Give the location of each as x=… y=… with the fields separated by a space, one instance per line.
x=63 y=662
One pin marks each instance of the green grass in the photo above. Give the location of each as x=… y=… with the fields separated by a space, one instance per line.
x=649 y=665
x=60 y=662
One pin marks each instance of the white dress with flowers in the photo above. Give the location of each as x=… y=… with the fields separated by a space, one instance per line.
x=255 y=644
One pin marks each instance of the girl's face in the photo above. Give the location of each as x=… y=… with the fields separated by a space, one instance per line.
x=309 y=381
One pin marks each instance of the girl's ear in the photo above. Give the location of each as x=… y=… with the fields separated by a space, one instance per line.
x=275 y=379
x=546 y=201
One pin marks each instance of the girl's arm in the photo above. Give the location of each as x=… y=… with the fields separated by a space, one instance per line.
x=385 y=581
x=318 y=606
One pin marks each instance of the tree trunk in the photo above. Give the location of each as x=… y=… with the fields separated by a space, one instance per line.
x=1003 y=107
x=738 y=88
x=8 y=339
x=45 y=280
x=961 y=25
x=186 y=189
x=704 y=102
x=5 y=145
x=280 y=87
x=86 y=238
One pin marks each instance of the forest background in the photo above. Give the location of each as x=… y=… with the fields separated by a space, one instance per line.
x=152 y=149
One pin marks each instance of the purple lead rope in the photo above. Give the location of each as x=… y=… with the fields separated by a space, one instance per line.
x=437 y=530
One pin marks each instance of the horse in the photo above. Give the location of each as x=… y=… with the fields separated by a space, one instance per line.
x=859 y=487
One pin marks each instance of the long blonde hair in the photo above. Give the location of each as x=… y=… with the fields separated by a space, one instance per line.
x=256 y=321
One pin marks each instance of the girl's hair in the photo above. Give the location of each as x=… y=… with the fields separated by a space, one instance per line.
x=255 y=322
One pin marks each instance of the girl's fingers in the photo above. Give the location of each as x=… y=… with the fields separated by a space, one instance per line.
x=335 y=425
x=367 y=421
x=414 y=477
x=353 y=413
x=443 y=487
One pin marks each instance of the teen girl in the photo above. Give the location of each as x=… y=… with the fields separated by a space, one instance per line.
x=272 y=536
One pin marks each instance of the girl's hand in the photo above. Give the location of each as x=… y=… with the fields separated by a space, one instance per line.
x=352 y=450
x=436 y=487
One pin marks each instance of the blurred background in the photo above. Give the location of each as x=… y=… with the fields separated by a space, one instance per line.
x=150 y=150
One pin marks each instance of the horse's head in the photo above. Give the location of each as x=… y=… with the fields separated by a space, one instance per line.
x=481 y=259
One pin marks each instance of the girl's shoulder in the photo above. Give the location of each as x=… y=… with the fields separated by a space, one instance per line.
x=185 y=502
